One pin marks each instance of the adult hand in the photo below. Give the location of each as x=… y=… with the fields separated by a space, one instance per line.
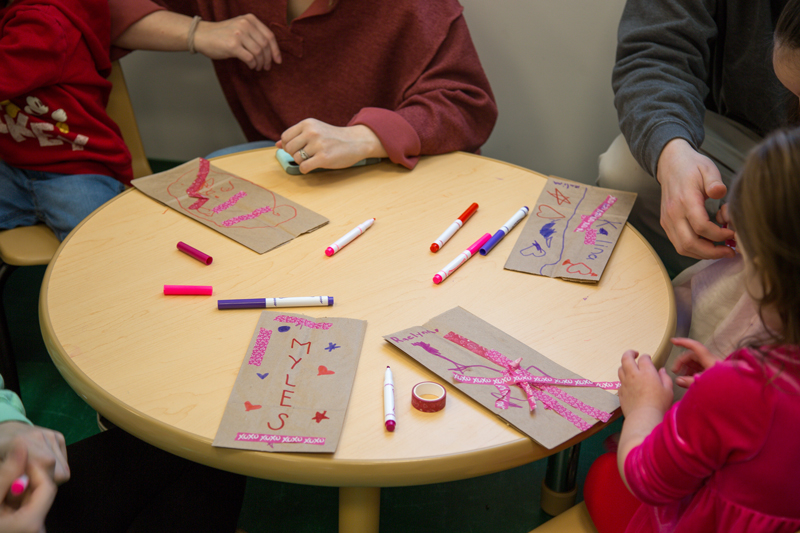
x=329 y=146
x=642 y=386
x=25 y=513
x=244 y=37
x=46 y=448
x=692 y=362
x=687 y=179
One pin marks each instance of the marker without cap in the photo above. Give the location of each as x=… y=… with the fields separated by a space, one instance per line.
x=454 y=227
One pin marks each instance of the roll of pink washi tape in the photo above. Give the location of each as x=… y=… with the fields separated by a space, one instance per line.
x=428 y=397
x=194 y=252
x=196 y=290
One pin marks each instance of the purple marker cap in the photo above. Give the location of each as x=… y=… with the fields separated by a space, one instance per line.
x=194 y=252
x=497 y=237
x=251 y=303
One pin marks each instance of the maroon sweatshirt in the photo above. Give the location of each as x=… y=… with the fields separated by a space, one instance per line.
x=407 y=69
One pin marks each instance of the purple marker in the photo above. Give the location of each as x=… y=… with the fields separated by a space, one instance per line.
x=504 y=230
x=263 y=303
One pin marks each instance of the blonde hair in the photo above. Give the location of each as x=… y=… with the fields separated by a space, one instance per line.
x=765 y=209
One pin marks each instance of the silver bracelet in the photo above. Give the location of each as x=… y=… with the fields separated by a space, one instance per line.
x=192 y=30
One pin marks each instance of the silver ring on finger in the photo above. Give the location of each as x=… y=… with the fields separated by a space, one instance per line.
x=304 y=155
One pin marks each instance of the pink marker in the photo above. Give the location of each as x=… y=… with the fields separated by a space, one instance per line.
x=19 y=485
x=199 y=290
x=349 y=237
x=194 y=252
x=461 y=259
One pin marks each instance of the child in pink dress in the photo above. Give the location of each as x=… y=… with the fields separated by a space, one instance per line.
x=725 y=457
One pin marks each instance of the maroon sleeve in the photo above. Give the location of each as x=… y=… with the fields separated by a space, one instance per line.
x=448 y=106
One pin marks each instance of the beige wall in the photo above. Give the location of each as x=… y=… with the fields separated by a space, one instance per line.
x=549 y=62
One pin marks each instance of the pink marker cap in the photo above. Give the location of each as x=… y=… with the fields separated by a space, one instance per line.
x=196 y=290
x=194 y=252
x=480 y=242
x=390 y=425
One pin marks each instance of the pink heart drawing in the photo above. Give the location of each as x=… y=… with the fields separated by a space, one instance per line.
x=323 y=371
x=543 y=214
x=249 y=406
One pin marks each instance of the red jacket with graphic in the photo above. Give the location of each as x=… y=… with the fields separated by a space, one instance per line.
x=54 y=59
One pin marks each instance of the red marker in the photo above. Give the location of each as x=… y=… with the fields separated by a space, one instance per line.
x=449 y=232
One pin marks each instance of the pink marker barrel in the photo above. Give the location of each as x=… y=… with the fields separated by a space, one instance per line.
x=194 y=252
x=193 y=290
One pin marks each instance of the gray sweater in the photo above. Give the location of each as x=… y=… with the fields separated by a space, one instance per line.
x=677 y=58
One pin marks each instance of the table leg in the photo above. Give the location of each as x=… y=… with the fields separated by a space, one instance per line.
x=359 y=509
x=559 y=487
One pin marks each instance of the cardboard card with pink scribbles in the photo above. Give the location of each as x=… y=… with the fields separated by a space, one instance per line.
x=529 y=391
x=294 y=384
x=571 y=231
x=247 y=213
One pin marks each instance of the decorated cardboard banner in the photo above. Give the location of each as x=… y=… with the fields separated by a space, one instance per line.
x=540 y=398
x=251 y=215
x=292 y=390
x=571 y=231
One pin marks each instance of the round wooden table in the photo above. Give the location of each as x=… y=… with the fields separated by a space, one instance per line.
x=162 y=368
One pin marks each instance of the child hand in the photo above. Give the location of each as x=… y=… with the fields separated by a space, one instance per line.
x=642 y=386
x=692 y=362
x=26 y=512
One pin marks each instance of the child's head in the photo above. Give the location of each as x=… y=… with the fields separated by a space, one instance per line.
x=786 y=54
x=765 y=209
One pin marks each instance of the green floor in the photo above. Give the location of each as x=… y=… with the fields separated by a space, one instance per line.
x=505 y=502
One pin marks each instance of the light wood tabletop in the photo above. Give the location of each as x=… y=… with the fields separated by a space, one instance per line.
x=162 y=368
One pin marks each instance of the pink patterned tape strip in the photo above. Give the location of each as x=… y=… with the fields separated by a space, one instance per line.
x=231 y=202
x=516 y=376
x=539 y=380
x=242 y=218
x=192 y=191
x=279 y=439
x=303 y=322
x=587 y=221
x=260 y=347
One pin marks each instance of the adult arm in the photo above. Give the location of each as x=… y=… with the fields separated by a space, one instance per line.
x=244 y=37
x=445 y=104
x=659 y=82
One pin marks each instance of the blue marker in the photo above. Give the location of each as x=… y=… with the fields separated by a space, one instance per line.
x=503 y=231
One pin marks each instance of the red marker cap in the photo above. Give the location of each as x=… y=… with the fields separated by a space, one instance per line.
x=468 y=213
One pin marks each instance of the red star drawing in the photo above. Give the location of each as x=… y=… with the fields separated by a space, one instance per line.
x=559 y=196
x=320 y=416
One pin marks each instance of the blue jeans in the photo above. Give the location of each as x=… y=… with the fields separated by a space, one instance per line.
x=59 y=200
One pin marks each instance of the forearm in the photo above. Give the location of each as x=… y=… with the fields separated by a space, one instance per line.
x=161 y=30
x=638 y=425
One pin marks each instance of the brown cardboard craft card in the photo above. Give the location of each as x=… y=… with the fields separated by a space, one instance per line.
x=479 y=359
x=294 y=384
x=571 y=231
x=251 y=215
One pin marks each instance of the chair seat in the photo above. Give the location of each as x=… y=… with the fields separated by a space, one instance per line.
x=573 y=520
x=28 y=245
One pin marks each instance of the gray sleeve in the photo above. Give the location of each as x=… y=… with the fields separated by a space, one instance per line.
x=660 y=77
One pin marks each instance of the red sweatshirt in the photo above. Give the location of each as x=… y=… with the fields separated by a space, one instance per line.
x=54 y=56
x=407 y=69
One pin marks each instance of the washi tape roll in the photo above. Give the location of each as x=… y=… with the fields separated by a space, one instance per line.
x=428 y=397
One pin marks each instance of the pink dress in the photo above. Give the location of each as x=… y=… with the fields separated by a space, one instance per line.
x=726 y=457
